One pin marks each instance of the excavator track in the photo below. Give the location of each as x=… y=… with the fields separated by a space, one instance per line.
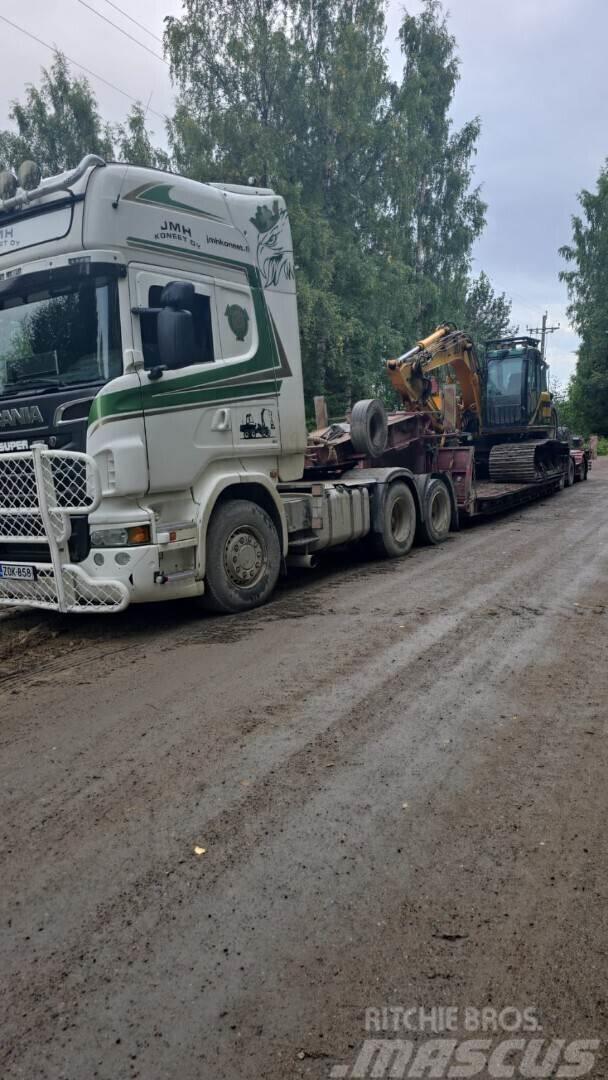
x=523 y=463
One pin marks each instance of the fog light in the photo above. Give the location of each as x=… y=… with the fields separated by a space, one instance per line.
x=98 y=559
x=122 y=558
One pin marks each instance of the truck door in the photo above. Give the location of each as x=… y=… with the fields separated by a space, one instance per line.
x=249 y=365
x=187 y=417
x=222 y=408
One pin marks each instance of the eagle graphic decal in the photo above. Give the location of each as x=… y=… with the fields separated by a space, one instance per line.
x=275 y=258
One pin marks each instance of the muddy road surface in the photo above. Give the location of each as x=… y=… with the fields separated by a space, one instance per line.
x=397 y=773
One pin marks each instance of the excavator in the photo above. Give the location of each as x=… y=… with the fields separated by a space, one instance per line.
x=504 y=407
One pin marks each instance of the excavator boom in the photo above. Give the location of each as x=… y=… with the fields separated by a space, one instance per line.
x=409 y=373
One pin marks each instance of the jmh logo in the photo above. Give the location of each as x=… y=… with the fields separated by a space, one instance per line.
x=26 y=416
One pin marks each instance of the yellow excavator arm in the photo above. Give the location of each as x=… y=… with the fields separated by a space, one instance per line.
x=409 y=374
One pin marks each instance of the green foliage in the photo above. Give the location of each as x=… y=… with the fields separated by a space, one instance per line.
x=297 y=94
x=58 y=123
x=134 y=143
x=587 y=284
x=486 y=315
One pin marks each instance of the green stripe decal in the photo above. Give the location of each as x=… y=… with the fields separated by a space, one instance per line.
x=217 y=382
x=160 y=195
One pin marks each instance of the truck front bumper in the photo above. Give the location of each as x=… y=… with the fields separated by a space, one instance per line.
x=76 y=591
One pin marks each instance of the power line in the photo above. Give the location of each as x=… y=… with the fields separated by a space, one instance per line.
x=543 y=331
x=125 y=32
x=134 y=21
x=88 y=71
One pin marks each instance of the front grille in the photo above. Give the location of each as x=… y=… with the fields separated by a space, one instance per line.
x=79 y=546
x=25 y=553
x=45 y=497
x=63 y=483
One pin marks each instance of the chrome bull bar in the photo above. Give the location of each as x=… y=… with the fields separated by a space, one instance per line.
x=41 y=490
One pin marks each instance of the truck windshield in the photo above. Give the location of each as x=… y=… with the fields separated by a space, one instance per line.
x=59 y=333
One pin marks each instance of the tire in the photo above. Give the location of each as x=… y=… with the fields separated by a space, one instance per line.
x=243 y=557
x=569 y=475
x=399 y=519
x=369 y=428
x=435 y=528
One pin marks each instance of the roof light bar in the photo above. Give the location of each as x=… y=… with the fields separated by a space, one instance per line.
x=29 y=173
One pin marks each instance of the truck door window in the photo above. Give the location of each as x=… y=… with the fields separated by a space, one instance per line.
x=203 y=334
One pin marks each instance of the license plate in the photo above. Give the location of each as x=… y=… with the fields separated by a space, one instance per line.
x=20 y=573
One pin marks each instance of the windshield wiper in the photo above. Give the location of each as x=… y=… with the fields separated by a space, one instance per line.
x=33 y=387
x=38 y=387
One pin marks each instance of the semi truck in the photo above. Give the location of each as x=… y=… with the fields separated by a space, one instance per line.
x=153 y=441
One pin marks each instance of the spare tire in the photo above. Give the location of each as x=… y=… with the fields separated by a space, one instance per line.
x=369 y=428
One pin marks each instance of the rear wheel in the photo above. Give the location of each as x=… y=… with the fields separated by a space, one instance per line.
x=569 y=475
x=435 y=527
x=398 y=523
x=243 y=557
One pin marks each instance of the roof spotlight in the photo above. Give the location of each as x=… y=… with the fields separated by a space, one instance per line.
x=29 y=175
x=8 y=184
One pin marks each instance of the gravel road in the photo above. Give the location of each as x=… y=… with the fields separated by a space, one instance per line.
x=397 y=772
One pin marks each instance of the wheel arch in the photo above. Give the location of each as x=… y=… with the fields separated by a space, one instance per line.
x=256 y=487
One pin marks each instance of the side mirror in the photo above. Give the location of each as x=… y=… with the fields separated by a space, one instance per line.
x=175 y=325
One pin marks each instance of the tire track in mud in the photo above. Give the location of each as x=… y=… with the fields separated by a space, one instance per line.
x=358 y=719
x=185 y=625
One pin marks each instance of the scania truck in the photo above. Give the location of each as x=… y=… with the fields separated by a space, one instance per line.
x=153 y=442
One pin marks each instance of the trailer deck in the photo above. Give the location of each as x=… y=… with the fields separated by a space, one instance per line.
x=413 y=444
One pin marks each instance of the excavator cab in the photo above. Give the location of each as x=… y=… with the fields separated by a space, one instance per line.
x=515 y=381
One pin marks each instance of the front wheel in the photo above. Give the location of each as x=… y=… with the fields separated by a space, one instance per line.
x=398 y=523
x=569 y=475
x=243 y=557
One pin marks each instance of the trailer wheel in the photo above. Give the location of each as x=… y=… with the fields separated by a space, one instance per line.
x=243 y=557
x=569 y=475
x=435 y=528
x=368 y=427
x=398 y=523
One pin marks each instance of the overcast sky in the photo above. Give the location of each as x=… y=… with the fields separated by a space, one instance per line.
x=533 y=70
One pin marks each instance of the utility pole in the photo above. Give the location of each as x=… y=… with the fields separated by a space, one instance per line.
x=543 y=331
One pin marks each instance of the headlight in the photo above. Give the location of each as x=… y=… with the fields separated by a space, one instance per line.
x=116 y=538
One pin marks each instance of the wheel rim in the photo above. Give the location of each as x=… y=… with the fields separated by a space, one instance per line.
x=401 y=524
x=440 y=512
x=245 y=557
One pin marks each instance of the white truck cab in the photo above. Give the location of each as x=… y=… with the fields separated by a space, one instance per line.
x=149 y=367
